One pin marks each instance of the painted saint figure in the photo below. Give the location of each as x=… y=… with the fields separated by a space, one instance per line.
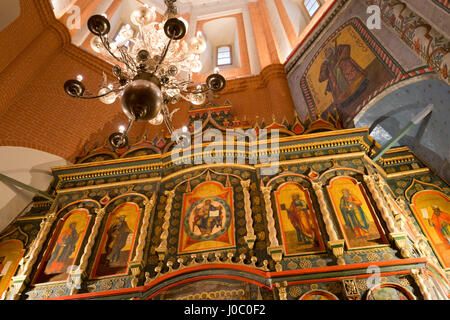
x=207 y=217
x=65 y=246
x=346 y=79
x=353 y=214
x=117 y=239
x=440 y=221
x=298 y=214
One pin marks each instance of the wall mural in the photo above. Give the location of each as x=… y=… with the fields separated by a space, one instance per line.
x=432 y=211
x=298 y=221
x=207 y=219
x=344 y=71
x=64 y=247
x=356 y=216
x=318 y=295
x=389 y=291
x=117 y=241
x=11 y=251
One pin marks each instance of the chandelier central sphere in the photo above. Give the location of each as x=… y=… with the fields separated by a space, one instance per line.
x=154 y=68
x=142 y=100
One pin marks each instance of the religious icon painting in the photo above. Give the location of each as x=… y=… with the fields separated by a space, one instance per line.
x=298 y=222
x=432 y=211
x=344 y=71
x=117 y=241
x=355 y=215
x=64 y=247
x=318 y=295
x=389 y=291
x=11 y=251
x=207 y=219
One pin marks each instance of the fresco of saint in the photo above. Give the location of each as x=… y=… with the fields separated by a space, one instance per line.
x=65 y=246
x=207 y=217
x=440 y=221
x=117 y=239
x=346 y=79
x=353 y=214
x=298 y=215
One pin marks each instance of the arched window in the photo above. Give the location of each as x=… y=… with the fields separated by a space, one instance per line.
x=223 y=56
x=311 y=6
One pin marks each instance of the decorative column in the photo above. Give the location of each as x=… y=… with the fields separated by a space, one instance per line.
x=162 y=248
x=79 y=274
x=282 y=292
x=137 y=264
x=418 y=277
x=335 y=244
x=250 y=237
x=398 y=237
x=21 y=280
x=275 y=250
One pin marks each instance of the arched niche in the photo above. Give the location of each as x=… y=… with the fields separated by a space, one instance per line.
x=220 y=32
x=29 y=166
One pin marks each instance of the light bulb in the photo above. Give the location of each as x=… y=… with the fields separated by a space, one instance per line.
x=216 y=70
x=184 y=129
x=143 y=16
x=80 y=77
x=197 y=98
x=121 y=129
x=196 y=66
x=197 y=45
x=109 y=98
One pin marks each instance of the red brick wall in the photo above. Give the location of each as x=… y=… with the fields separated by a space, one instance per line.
x=35 y=112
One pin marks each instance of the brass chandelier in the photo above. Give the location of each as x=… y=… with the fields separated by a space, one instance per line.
x=154 y=69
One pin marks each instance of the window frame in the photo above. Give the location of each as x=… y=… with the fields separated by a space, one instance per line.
x=217 y=55
x=306 y=9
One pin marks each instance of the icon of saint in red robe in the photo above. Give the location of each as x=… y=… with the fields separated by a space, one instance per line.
x=298 y=214
x=440 y=221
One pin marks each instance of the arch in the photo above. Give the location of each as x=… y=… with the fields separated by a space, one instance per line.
x=10 y=10
x=27 y=165
x=389 y=291
x=430 y=139
x=326 y=295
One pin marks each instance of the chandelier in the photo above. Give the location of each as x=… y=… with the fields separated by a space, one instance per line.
x=153 y=68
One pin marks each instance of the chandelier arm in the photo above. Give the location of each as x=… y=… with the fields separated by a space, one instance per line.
x=196 y=91
x=99 y=96
x=185 y=98
x=108 y=48
x=126 y=57
x=130 y=123
x=163 y=56
x=168 y=125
